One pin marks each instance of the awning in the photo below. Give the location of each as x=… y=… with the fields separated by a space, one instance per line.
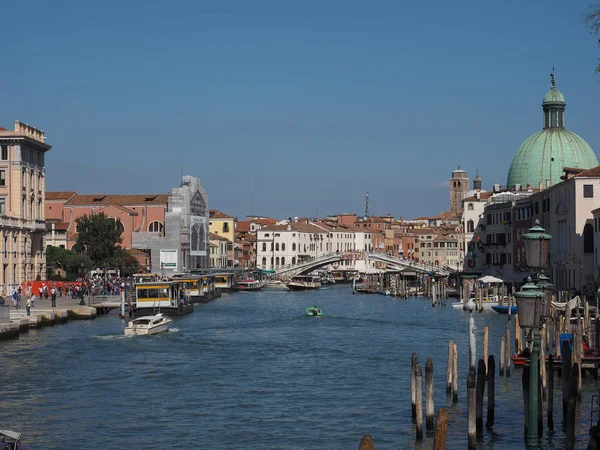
x=490 y=279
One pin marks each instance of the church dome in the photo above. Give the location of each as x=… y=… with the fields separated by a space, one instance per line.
x=544 y=155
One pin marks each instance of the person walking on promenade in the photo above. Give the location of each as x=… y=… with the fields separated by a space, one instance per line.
x=60 y=291
x=14 y=297
x=19 y=299
x=53 y=296
x=28 y=305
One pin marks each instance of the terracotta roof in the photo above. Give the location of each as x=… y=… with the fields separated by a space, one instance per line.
x=447 y=215
x=122 y=208
x=593 y=172
x=421 y=218
x=482 y=196
x=424 y=231
x=264 y=221
x=3 y=129
x=65 y=195
x=119 y=199
x=216 y=237
x=242 y=226
x=215 y=214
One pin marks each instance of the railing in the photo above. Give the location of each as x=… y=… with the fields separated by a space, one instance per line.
x=4 y=313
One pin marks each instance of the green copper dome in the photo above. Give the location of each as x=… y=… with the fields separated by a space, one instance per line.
x=544 y=155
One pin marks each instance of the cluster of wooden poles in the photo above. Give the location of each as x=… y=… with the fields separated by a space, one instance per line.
x=436 y=290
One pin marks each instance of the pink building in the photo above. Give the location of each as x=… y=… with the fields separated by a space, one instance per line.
x=140 y=212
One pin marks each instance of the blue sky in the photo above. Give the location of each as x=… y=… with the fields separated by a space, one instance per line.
x=311 y=103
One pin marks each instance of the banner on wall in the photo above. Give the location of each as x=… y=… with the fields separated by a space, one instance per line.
x=168 y=259
x=198 y=236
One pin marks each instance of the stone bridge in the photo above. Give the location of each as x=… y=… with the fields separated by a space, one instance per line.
x=393 y=262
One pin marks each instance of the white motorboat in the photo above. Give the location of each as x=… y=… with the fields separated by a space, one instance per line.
x=487 y=303
x=275 y=284
x=11 y=440
x=304 y=283
x=148 y=325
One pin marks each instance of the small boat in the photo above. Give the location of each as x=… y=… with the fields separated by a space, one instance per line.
x=148 y=325
x=313 y=311
x=275 y=284
x=488 y=303
x=249 y=285
x=304 y=283
x=384 y=292
x=504 y=309
x=11 y=440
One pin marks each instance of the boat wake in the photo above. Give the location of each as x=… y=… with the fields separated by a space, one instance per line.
x=173 y=330
x=111 y=337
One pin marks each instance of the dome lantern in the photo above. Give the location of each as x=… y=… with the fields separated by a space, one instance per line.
x=554 y=106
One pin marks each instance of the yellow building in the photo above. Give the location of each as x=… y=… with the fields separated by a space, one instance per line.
x=22 y=197
x=223 y=225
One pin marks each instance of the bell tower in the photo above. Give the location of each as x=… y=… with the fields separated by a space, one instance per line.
x=459 y=186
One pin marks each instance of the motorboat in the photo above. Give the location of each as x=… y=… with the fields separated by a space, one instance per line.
x=11 y=440
x=249 y=285
x=275 y=284
x=504 y=309
x=148 y=325
x=313 y=311
x=304 y=283
x=487 y=303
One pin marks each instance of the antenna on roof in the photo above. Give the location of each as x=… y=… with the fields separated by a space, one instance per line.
x=367 y=205
x=181 y=175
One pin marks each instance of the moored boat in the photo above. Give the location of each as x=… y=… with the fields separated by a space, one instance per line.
x=275 y=284
x=249 y=285
x=148 y=325
x=488 y=303
x=304 y=283
x=11 y=440
x=504 y=309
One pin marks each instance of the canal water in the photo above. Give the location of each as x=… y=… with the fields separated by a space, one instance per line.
x=249 y=370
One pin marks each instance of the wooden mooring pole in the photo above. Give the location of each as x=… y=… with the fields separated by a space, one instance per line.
x=413 y=384
x=550 y=392
x=543 y=368
x=441 y=428
x=450 y=365
x=472 y=410
x=419 y=393
x=480 y=389
x=565 y=351
x=366 y=443
x=572 y=406
x=485 y=347
x=525 y=386
x=502 y=347
x=491 y=378
x=507 y=351
x=429 y=406
x=455 y=374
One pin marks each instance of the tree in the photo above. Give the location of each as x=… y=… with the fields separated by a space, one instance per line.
x=98 y=238
x=78 y=265
x=58 y=257
x=128 y=264
x=592 y=22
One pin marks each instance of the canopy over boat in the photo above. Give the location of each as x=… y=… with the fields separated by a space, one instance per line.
x=573 y=303
x=490 y=279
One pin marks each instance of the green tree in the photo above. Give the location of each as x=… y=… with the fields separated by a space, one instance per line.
x=78 y=265
x=98 y=238
x=58 y=257
x=128 y=264
x=592 y=22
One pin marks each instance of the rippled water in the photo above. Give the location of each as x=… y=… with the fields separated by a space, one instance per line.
x=249 y=370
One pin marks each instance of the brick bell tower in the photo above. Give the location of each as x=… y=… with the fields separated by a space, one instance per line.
x=459 y=186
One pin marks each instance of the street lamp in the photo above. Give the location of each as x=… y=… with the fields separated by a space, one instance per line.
x=472 y=348
x=532 y=305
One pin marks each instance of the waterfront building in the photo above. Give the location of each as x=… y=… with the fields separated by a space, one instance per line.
x=183 y=244
x=224 y=225
x=22 y=198
x=473 y=225
x=218 y=251
x=566 y=211
x=459 y=186
x=540 y=160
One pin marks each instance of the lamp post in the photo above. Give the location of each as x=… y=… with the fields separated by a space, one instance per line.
x=472 y=348
x=532 y=305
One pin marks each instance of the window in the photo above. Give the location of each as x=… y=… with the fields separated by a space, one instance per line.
x=293 y=247
x=264 y=248
x=277 y=248
x=2 y=206
x=282 y=248
x=588 y=191
x=5 y=153
x=264 y=261
x=293 y=260
x=470 y=226
x=537 y=208
x=277 y=261
x=588 y=238
x=225 y=227
x=283 y=260
x=470 y=207
x=156 y=227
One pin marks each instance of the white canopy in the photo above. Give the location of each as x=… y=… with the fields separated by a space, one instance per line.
x=490 y=279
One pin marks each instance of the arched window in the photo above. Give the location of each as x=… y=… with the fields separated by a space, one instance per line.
x=588 y=238
x=264 y=261
x=277 y=261
x=118 y=225
x=293 y=260
x=156 y=227
x=24 y=207
x=264 y=247
x=470 y=206
x=294 y=247
x=283 y=260
x=271 y=261
x=277 y=247
x=39 y=210
x=282 y=248
x=470 y=226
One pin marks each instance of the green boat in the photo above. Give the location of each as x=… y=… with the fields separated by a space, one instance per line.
x=314 y=311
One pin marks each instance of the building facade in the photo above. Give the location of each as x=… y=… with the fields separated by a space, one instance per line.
x=224 y=225
x=218 y=251
x=22 y=198
x=184 y=243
